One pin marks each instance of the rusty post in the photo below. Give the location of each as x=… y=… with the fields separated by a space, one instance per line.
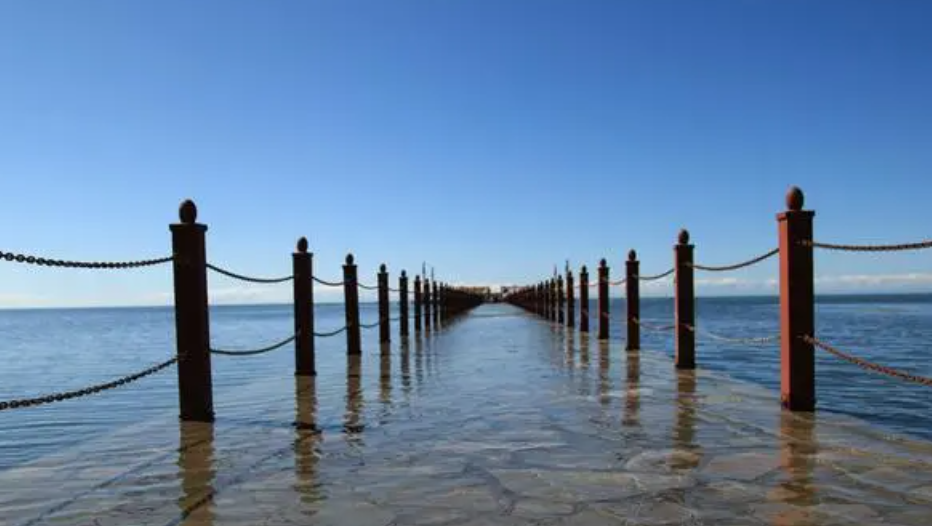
x=418 y=300
x=351 y=294
x=385 y=330
x=633 y=295
x=192 y=323
x=303 y=310
x=427 y=303
x=797 y=305
x=570 y=300
x=403 y=303
x=603 y=300
x=684 y=303
x=561 y=302
x=584 y=299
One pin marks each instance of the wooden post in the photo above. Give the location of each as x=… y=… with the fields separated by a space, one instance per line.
x=303 y=310
x=584 y=299
x=554 y=301
x=561 y=302
x=385 y=330
x=403 y=302
x=633 y=295
x=603 y=300
x=797 y=305
x=427 y=303
x=684 y=303
x=351 y=294
x=436 y=298
x=417 y=303
x=570 y=300
x=192 y=323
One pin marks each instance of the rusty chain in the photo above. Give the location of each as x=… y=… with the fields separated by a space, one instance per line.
x=737 y=266
x=753 y=341
x=653 y=327
x=331 y=333
x=329 y=283
x=48 y=262
x=68 y=395
x=248 y=278
x=870 y=366
x=253 y=352
x=657 y=276
x=869 y=248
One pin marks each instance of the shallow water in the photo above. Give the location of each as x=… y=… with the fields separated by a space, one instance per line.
x=497 y=418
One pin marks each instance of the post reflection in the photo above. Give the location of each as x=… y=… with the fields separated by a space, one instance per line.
x=307 y=439
x=632 y=393
x=196 y=467
x=570 y=353
x=419 y=363
x=798 y=448
x=684 y=429
x=406 y=368
x=605 y=383
x=584 y=341
x=385 y=382
x=352 y=425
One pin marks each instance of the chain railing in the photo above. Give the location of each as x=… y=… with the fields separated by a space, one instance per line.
x=367 y=287
x=656 y=277
x=331 y=333
x=650 y=327
x=369 y=325
x=94 y=389
x=618 y=283
x=110 y=265
x=725 y=339
x=870 y=366
x=736 y=266
x=250 y=279
x=870 y=248
x=328 y=283
x=253 y=352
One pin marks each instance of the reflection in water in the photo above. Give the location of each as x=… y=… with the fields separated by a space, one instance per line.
x=798 y=450
x=570 y=353
x=406 y=368
x=353 y=425
x=632 y=394
x=385 y=382
x=684 y=430
x=196 y=466
x=605 y=383
x=307 y=437
x=419 y=364
x=584 y=363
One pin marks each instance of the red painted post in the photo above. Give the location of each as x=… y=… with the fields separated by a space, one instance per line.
x=418 y=300
x=303 y=310
x=385 y=329
x=570 y=300
x=633 y=295
x=403 y=302
x=603 y=301
x=584 y=299
x=427 y=303
x=797 y=305
x=684 y=303
x=351 y=294
x=561 y=302
x=192 y=323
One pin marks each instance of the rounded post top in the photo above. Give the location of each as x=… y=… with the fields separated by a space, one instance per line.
x=187 y=212
x=632 y=255
x=683 y=237
x=350 y=259
x=583 y=270
x=795 y=199
x=382 y=268
x=302 y=245
x=404 y=274
x=603 y=263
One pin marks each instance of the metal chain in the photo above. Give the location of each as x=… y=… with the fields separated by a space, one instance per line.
x=864 y=364
x=618 y=283
x=369 y=326
x=247 y=278
x=656 y=277
x=367 y=287
x=67 y=395
x=329 y=283
x=869 y=248
x=252 y=352
x=654 y=327
x=759 y=341
x=737 y=266
x=331 y=333
x=47 y=262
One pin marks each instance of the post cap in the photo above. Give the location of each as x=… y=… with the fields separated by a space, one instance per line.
x=404 y=274
x=583 y=269
x=302 y=245
x=187 y=212
x=350 y=259
x=632 y=255
x=795 y=199
x=382 y=268
x=684 y=237
x=602 y=262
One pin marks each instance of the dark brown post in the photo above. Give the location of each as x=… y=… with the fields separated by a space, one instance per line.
x=385 y=331
x=427 y=303
x=633 y=295
x=603 y=300
x=797 y=305
x=417 y=303
x=192 y=323
x=584 y=299
x=554 y=301
x=303 y=310
x=436 y=299
x=684 y=303
x=351 y=294
x=561 y=301
x=403 y=302
x=570 y=300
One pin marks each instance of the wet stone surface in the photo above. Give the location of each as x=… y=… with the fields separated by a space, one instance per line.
x=498 y=419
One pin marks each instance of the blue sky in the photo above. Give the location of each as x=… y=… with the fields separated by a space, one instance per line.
x=491 y=139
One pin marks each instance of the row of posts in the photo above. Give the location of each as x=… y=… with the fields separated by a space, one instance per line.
x=556 y=302
x=433 y=302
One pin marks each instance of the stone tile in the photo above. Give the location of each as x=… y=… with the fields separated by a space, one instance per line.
x=742 y=466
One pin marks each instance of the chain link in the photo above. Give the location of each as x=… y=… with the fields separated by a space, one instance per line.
x=737 y=266
x=367 y=287
x=252 y=352
x=68 y=395
x=756 y=341
x=247 y=278
x=618 y=283
x=47 y=262
x=657 y=276
x=869 y=248
x=331 y=333
x=329 y=283
x=369 y=325
x=864 y=364
x=654 y=327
